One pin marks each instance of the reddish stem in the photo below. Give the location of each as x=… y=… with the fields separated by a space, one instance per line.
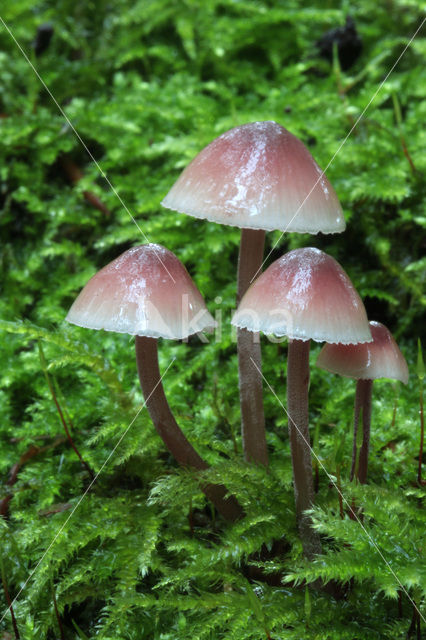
x=395 y=407
x=61 y=415
x=169 y=430
x=58 y=617
x=357 y=412
x=365 y=389
x=422 y=437
x=9 y=603
x=75 y=174
x=407 y=155
x=13 y=473
x=249 y=354
x=298 y=423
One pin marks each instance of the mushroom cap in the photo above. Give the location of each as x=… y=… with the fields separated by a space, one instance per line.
x=378 y=359
x=147 y=292
x=258 y=176
x=305 y=295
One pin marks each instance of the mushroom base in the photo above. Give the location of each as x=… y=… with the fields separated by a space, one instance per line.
x=298 y=425
x=168 y=429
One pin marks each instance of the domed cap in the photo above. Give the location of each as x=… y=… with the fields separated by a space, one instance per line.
x=258 y=176
x=378 y=359
x=305 y=294
x=147 y=292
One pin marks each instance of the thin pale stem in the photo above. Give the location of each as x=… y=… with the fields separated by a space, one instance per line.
x=298 y=410
x=169 y=430
x=249 y=352
x=365 y=389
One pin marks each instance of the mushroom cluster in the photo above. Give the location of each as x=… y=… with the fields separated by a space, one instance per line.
x=148 y=293
x=304 y=295
x=258 y=177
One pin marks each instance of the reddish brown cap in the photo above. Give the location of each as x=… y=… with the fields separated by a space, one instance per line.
x=305 y=294
x=258 y=176
x=378 y=359
x=147 y=292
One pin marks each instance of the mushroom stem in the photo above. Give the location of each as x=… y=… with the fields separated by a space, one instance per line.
x=248 y=345
x=357 y=413
x=298 y=424
x=169 y=430
x=364 y=391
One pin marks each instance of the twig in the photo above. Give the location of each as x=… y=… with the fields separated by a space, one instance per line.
x=60 y=412
x=420 y=375
x=58 y=617
x=13 y=473
x=8 y=600
x=75 y=174
x=398 y=118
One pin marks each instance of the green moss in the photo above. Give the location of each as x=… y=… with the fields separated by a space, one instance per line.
x=147 y=84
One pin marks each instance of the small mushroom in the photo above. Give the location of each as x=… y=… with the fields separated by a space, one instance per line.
x=147 y=292
x=366 y=363
x=258 y=177
x=304 y=295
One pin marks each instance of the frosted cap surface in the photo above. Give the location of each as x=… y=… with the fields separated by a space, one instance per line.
x=381 y=358
x=258 y=176
x=147 y=292
x=305 y=295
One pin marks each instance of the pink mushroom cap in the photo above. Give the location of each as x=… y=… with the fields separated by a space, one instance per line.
x=258 y=176
x=305 y=295
x=147 y=292
x=378 y=359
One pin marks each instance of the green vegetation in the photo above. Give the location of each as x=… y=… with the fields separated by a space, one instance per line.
x=140 y=554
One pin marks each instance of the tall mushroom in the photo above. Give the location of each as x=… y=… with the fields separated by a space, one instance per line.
x=304 y=295
x=366 y=363
x=147 y=292
x=258 y=177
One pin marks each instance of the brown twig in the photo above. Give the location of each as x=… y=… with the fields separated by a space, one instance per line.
x=9 y=602
x=13 y=473
x=420 y=374
x=74 y=175
x=61 y=414
x=407 y=155
x=58 y=617
x=422 y=437
x=415 y=625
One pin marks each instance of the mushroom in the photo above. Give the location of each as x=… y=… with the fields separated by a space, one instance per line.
x=366 y=363
x=304 y=295
x=258 y=177
x=147 y=292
